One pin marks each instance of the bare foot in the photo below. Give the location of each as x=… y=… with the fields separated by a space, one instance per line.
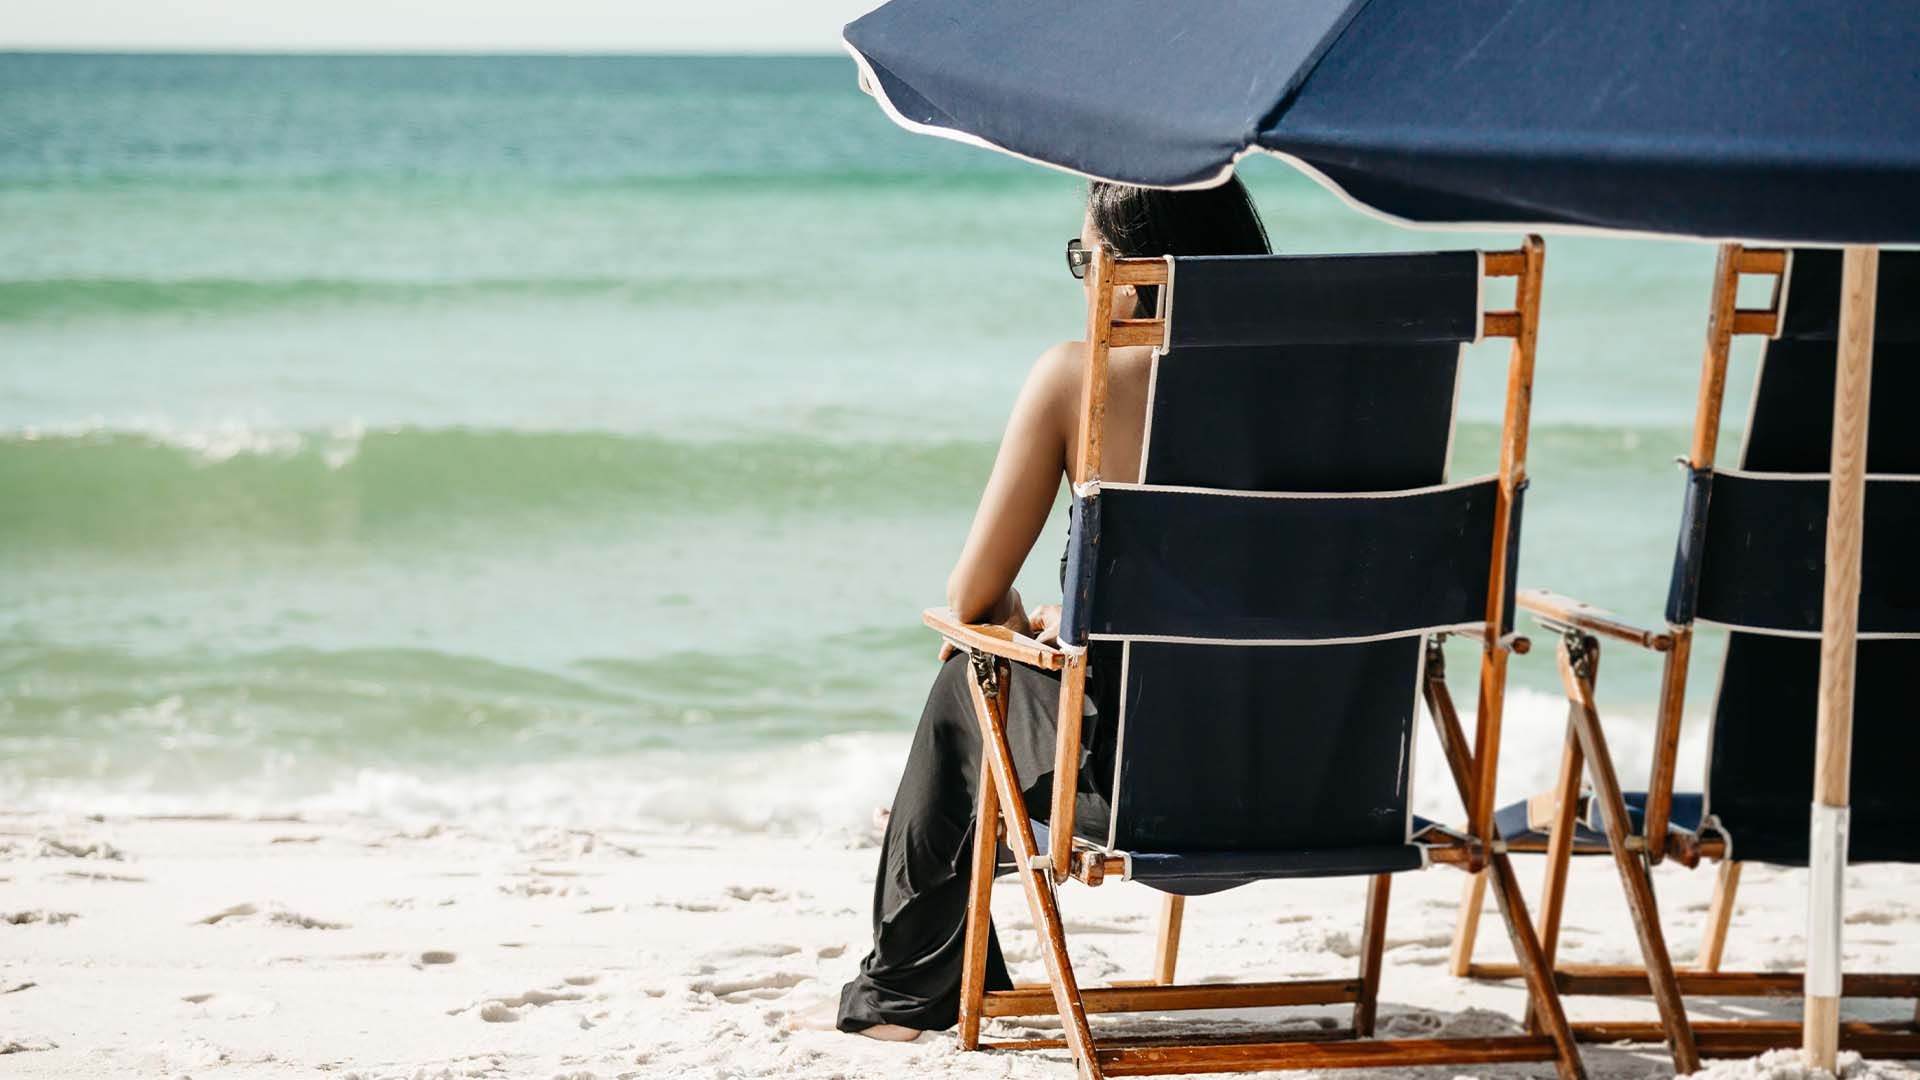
x=826 y=1016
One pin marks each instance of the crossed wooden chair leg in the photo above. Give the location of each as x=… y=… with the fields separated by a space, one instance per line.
x=1000 y=811
x=1586 y=753
x=1473 y=897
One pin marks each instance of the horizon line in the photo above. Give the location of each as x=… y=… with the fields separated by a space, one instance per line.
x=396 y=51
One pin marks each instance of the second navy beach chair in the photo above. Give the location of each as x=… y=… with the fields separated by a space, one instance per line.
x=1751 y=559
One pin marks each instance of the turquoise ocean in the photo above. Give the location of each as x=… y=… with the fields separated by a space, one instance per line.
x=580 y=438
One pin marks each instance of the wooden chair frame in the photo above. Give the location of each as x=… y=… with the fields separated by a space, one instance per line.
x=1580 y=627
x=1001 y=813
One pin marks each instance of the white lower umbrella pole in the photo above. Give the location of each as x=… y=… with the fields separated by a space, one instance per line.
x=1840 y=615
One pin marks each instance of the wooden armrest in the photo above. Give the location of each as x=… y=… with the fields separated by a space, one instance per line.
x=1560 y=612
x=997 y=640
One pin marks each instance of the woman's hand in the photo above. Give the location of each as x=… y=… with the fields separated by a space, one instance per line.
x=1045 y=621
x=1008 y=613
x=1015 y=618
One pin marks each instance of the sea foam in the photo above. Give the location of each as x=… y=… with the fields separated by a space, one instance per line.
x=836 y=787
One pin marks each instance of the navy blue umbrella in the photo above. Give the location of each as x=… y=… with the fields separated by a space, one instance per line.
x=1780 y=121
x=1794 y=121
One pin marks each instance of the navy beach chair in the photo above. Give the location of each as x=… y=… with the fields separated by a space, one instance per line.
x=1751 y=559
x=1269 y=586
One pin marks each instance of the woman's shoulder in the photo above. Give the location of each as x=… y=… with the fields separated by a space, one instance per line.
x=1058 y=370
x=1062 y=356
x=1066 y=362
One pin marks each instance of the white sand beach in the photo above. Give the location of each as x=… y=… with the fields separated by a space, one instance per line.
x=353 y=947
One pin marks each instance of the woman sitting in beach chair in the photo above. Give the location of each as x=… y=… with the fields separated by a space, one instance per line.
x=1265 y=540
x=910 y=981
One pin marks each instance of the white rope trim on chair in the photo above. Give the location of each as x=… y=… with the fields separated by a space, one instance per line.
x=1479 y=298
x=1811 y=635
x=1166 y=328
x=1786 y=285
x=1754 y=474
x=1119 y=755
x=1097 y=486
x=1411 y=747
x=1706 y=779
x=1146 y=432
x=1453 y=412
x=1473 y=629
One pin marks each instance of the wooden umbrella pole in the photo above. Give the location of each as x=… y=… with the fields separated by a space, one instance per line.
x=1840 y=617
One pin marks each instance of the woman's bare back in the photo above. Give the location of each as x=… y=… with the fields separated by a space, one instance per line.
x=1037 y=453
x=1128 y=373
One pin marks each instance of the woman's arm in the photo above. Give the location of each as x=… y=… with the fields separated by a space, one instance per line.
x=1020 y=492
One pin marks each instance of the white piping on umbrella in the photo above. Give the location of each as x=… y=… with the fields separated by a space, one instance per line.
x=1561 y=228
x=871 y=84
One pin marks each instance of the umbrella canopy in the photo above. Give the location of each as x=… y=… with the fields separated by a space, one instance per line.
x=1792 y=121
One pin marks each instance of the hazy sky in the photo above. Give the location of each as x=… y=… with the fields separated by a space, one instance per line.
x=426 y=25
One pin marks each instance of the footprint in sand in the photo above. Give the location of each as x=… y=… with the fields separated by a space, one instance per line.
x=230 y=1006
x=272 y=915
x=1878 y=915
x=1121 y=925
x=508 y=1010
x=1411 y=1024
x=493 y=1012
x=54 y=848
x=437 y=956
x=51 y=918
x=751 y=987
x=95 y=875
x=771 y=950
x=1436 y=940
x=335 y=958
x=542 y=888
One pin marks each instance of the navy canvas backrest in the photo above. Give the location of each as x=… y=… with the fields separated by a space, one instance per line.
x=1269 y=575
x=1761 y=536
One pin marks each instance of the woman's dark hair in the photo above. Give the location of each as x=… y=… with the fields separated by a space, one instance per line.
x=1149 y=222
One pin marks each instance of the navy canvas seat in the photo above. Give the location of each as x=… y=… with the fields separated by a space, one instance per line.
x=1519 y=830
x=1195 y=873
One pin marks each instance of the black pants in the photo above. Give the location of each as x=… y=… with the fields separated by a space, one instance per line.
x=912 y=976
